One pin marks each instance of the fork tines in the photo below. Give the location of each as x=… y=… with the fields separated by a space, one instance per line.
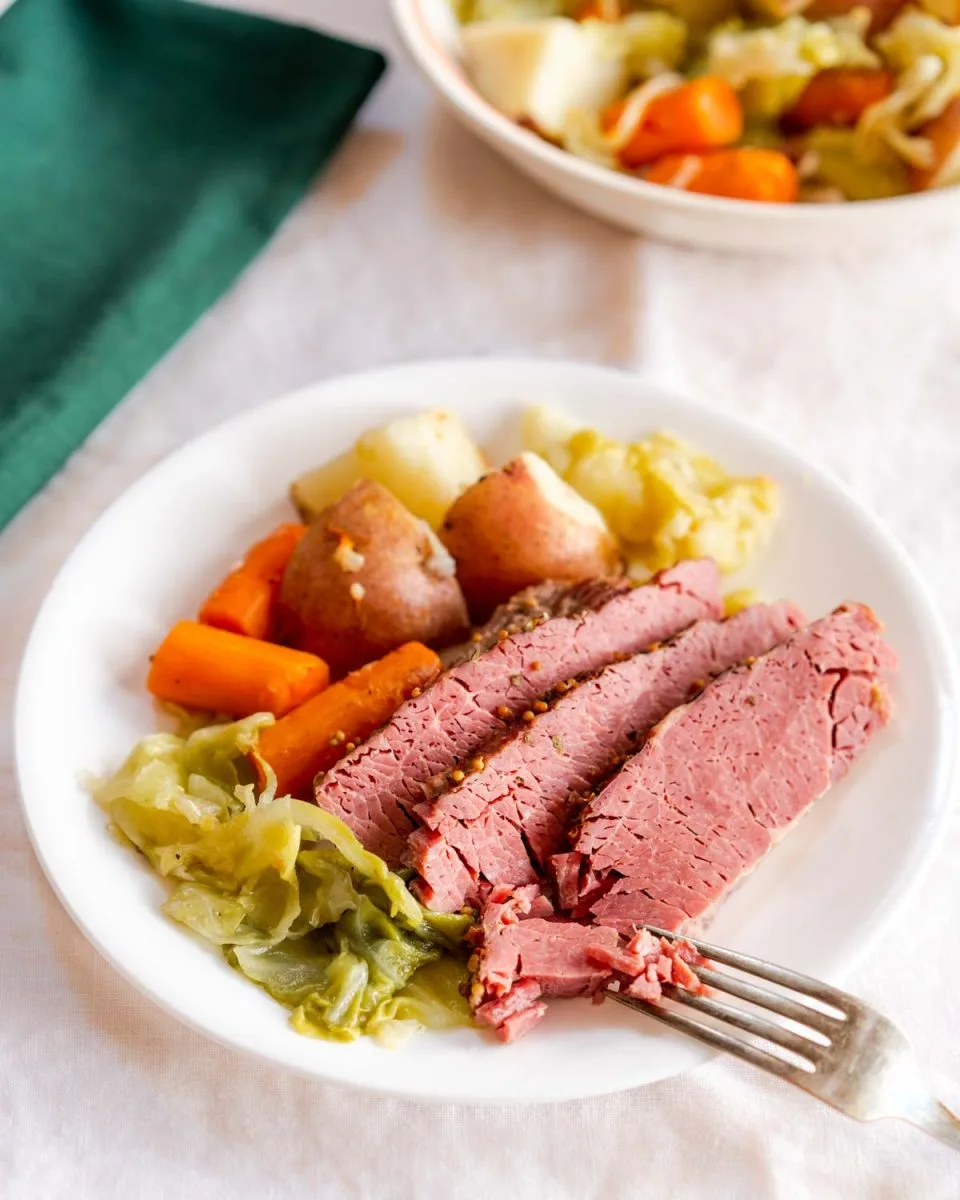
x=790 y=1051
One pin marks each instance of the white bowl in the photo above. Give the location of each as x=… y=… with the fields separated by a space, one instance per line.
x=430 y=32
x=816 y=903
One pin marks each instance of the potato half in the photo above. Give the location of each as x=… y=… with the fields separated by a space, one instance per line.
x=426 y=461
x=521 y=525
x=367 y=577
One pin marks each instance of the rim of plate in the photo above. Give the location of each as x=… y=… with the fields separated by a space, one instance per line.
x=434 y=61
x=911 y=874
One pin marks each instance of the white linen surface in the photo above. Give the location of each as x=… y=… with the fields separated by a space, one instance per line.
x=417 y=242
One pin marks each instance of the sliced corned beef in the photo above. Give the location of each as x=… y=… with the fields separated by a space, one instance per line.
x=374 y=788
x=565 y=870
x=553 y=598
x=521 y=958
x=645 y=963
x=553 y=951
x=503 y=822
x=723 y=777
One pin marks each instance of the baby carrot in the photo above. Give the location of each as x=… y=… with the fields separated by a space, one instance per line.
x=241 y=603
x=312 y=737
x=245 y=600
x=745 y=174
x=838 y=96
x=698 y=115
x=202 y=667
x=268 y=559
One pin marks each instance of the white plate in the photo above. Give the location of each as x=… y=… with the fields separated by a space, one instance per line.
x=816 y=902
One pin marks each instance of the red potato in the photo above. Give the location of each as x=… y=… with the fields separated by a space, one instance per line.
x=367 y=577
x=837 y=97
x=519 y=526
x=944 y=134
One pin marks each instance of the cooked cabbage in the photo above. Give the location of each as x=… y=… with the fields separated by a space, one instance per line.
x=926 y=55
x=770 y=64
x=664 y=499
x=585 y=136
x=286 y=890
x=649 y=42
x=838 y=158
x=917 y=35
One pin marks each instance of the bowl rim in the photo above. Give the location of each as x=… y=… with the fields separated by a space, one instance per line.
x=424 y=46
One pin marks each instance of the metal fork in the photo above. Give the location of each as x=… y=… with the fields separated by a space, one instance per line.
x=833 y=1046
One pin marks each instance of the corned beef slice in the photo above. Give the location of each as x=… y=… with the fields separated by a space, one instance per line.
x=723 y=777
x=503 y=822
x=374 y=788
x=521 y=959
x=554 y=598
x=646 y=963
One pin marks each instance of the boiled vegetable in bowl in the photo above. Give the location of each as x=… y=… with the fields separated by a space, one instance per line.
x=764 y=100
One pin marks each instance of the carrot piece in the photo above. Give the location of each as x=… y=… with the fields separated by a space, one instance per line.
x=242 y=603
x=943 y=133
x=268 y=559
x=698 y=115
x=245 y=600
x=199 y=666
x=312 y=737
x=838 y=96
x=599 y=10
x=744 y=174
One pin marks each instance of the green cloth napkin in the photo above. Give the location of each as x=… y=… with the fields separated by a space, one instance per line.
x=148 y=150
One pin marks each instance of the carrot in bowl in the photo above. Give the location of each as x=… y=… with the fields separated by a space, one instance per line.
x=747 y=173
x=600 y=10
x=698 y=115
x=314 y=736
x=244 y=601
x=838 y=96
x=202 y=667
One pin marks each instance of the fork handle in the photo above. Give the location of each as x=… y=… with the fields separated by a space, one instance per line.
x=936 y=1119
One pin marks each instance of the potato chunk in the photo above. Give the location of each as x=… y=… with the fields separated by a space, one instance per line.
x=662 y=497
x=542 y=70
x=519 y=526
x=365 y=578
x=426 y=460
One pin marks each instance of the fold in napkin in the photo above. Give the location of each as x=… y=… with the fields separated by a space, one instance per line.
x=148 y=150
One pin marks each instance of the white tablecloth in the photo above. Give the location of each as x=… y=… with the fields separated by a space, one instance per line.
x=419 y=242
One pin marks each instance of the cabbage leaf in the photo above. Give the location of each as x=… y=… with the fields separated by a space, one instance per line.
x=771 y=64
x=925 y=53
x=648 y=42
x=662 y=497
x=285 y=889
